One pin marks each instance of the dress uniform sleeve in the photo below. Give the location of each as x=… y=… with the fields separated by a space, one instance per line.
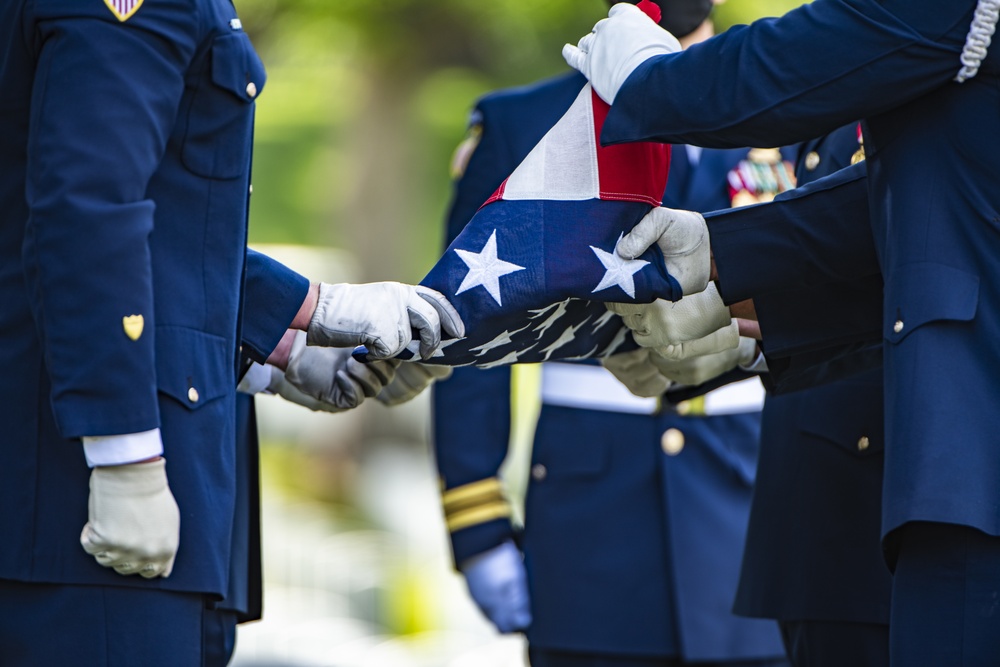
x=471 y=410
x=106 y=94
x=779 y=81
x=274 y=294
x=815 y=234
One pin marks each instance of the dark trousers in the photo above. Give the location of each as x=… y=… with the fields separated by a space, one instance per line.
x=832 y=644
x=547 y=658
x=48 y=625
x=945 y=598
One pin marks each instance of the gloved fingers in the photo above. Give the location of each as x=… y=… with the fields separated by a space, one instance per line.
x=573 y=56
x=645 y=233
x=370 y=378
x=626 y=361
x=638 y=323
x=436 y=371
x=624 y=309
x=348 y=392
x=426 y=322
x=621 y=8
x=451 y=321
x=726 y=338
x=587 y=41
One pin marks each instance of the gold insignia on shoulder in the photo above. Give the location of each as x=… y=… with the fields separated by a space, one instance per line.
x=133 y=326
x=463 y=153
x=123 y=9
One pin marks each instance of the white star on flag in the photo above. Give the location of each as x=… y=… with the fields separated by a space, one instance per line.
x=500 y=340
x=619 y=271
x=485 y=269
x=565 y=338
x=414 y=347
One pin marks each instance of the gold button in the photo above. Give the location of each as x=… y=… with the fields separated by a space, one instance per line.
x=193 y=395
x=898 y=326
x=863 y=443
x=538 y=472
x=672 y=442
x=252 y=89
x=251 y=188
x=683 y=408
x=812 y=160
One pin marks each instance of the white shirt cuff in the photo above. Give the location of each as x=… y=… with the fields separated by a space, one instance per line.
x=255 y=380
x=115 y=450
x=758 y=365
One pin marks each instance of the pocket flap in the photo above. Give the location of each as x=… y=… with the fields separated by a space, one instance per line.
x=193 y=367
x=236 y=67
x=920 y=293
x=847 y=414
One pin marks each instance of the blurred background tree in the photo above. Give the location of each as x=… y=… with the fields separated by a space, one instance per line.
x=366 y=100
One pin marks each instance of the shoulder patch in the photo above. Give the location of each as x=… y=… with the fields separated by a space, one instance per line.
x=463 y=152
x=123 y=9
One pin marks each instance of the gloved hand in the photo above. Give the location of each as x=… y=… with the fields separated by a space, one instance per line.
x=329 y=378
x=720 y=340
x=380 y=316
x=618 y=44
x=682 y=237
x=634 y=370
x=134 y=524
x=498 y=585
x=411 y=379
x=670 y=322
x=693 y=371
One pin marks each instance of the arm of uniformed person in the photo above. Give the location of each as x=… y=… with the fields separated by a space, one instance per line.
x=326 y=379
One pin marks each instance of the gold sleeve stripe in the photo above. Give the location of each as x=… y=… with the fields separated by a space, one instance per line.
x=475 y=490
x=478 y=515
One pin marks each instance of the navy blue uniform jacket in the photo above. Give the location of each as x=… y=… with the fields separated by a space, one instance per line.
x=813 y=550
x=628 y=550
x=125 y=154
x=933 y=153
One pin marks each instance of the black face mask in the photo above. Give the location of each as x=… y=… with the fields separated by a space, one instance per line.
x=682 y=17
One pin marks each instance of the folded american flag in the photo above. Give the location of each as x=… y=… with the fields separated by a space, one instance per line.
x=530 y=272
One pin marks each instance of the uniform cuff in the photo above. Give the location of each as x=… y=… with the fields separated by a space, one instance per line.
x=255 y=380
x=113 y=450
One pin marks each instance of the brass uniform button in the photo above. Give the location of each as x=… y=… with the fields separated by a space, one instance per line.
x=812 y=160
x=672 y=442
x=251 y=90
x=683 y=408
x=193 y=395
x=251 y=188
x=863 y=443
x=538 y=472
x=898 y=326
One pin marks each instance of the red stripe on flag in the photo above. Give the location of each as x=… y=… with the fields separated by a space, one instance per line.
x=496 y=196
x=630 y=172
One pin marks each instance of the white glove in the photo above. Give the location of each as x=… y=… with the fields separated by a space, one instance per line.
x=329 y=378
x=411 y=379
x=134 y=524
x=380 y=316
x=498 y=583
x=634 y=370
x=682 y=237
x=720 y=340
x=670 y=322
x=693 y=371
x=618 y=44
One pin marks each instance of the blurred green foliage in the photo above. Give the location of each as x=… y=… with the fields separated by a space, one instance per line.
x=366 y=100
